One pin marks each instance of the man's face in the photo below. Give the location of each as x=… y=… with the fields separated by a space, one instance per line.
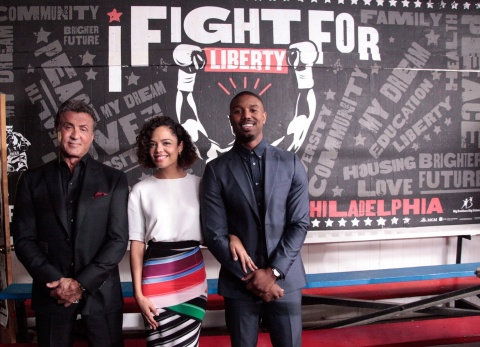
x=247 y=117
x=75 y=134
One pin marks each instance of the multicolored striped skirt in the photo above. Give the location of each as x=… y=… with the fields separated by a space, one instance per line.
x=174 y=279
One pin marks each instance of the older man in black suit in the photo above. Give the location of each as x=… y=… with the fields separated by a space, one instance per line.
x=258 y=193
x=70 y=232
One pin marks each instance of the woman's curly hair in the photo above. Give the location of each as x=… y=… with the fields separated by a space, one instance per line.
x=185 y=159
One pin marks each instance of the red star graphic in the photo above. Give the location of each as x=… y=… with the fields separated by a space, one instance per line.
x=114 y=15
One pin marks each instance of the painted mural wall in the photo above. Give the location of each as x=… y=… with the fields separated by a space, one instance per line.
x=379 y=99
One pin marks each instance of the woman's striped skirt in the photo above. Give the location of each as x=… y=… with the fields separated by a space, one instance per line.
x=174 y=279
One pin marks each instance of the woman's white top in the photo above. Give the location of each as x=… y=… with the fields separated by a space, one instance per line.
x=165 y=210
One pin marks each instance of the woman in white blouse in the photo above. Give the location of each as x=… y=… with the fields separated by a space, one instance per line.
x=169 y=278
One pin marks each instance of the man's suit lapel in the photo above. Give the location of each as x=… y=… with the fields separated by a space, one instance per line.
x=271 y=167
x=240 y=174
x=54 y=184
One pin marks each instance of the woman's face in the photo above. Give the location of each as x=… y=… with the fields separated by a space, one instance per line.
x=164 y=148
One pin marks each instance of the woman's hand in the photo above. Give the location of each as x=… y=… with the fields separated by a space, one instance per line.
x=239 y=252
x=148 y=311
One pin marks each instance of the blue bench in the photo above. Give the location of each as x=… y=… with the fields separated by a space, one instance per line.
x=326 y=288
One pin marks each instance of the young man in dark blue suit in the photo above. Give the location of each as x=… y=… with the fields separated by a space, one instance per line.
x=70 y=231
x=258 y=193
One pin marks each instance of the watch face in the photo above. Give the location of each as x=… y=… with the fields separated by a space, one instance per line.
x=276 y=273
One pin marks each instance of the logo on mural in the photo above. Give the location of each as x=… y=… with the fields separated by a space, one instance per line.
x=467 y=203
x=467 y=206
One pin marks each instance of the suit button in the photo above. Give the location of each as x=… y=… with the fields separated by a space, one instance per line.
x=72 y=264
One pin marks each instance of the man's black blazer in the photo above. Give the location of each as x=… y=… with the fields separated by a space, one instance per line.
x=44 y=246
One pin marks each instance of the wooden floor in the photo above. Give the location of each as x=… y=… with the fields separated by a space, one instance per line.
x=433 y=332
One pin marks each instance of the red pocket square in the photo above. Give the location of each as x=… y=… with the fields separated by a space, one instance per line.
x=99 y=194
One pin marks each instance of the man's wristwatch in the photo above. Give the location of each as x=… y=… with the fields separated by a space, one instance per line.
x=276 y=273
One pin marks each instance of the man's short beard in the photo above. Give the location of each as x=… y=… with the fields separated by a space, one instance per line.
x=246 y=138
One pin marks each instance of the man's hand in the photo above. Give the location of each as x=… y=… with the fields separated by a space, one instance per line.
x=260 y=281
x=67 y=291
x=275 y=293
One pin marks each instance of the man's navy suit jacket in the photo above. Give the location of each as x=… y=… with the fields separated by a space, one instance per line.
x=228 y=207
